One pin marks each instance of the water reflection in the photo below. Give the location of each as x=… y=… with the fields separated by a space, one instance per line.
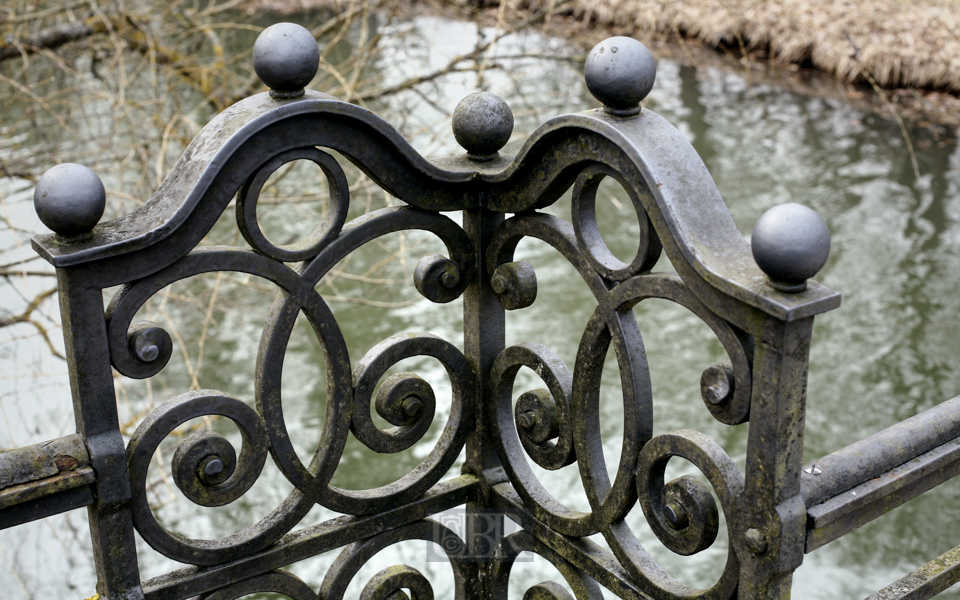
x=885 y=355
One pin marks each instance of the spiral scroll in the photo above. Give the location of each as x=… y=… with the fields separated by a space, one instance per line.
x=547 y=454
x=726 y=387
x=277 y=582
x=312 y=480
x=410 y=403
x=141 y=350
x=682 y=512
x=438 y=279
x=391 y=580
x=388 y=582
x=209 y=487
x=511 y=546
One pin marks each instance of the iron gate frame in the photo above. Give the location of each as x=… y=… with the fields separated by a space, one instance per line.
x=776 y=510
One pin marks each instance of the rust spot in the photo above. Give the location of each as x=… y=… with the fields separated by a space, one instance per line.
x=66 y=463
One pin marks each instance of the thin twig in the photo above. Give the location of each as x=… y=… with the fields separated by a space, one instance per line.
x=889 y=104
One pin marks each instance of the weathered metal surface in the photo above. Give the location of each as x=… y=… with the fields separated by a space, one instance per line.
x=311 y=541
x=42 y=460
x=868 y=458
x=48 y=486
x=861 y=504
x=927 y=581
x=60 y=494
x=762 y=318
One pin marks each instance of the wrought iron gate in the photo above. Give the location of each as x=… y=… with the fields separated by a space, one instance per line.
x=758 y=301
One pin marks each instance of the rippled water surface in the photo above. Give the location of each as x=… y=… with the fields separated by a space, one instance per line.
x=888 y=352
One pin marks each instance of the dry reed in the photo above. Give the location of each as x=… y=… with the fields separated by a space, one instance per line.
x=895 y=44
x=898 y=44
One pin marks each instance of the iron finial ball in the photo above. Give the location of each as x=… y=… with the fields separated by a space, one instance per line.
x=791 y=244
x=482 y=124
x=286 y=57
x=620 y=72
x=69 y=199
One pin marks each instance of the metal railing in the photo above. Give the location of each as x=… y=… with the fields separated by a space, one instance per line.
x=755 y=298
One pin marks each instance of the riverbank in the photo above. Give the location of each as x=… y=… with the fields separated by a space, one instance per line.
x=908 y=53
x=893 y=44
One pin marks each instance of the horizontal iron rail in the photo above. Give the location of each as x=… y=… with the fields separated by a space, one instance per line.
x=868 y=458
x=927 y=581
x=42 y=460
x=311 y=541
x=44 y=479
x=856 y=507
x=34 y=500
x=852 y=486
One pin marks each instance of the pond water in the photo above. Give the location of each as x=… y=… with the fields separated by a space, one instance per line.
x=886 y=354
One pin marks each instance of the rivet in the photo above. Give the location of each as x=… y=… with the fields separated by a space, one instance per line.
x=412 y=406
x=212 y=466
x=448 y=280
x=498 y=283
x=813 y=470
x=676 y=515
x=755 y=541
x=528 y=420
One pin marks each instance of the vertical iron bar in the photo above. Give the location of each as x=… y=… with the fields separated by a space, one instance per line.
x=95 y=411
x=484 y=333
x=772 y=513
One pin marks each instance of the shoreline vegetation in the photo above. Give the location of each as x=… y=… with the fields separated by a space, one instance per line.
x=907 y=53
x=877 y=54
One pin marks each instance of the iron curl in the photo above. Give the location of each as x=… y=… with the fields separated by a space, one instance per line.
x=206 y=486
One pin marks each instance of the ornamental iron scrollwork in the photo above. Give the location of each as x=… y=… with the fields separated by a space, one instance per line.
x=756 y=299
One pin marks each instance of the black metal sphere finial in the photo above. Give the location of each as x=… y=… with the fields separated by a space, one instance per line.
x=286 y=57
x=482 y=124
x=791 y=244
x=69 y=199
x=620 y=72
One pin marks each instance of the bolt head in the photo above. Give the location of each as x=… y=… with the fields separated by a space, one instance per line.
x=755 y=541
x=449 y=280
x=213 y=466
x=412 y=406
x=529 y=420
x=482 y=124
x=620 y=72
x=676 y=515
x=69 y=199
x=791 y=244
x=286 y=58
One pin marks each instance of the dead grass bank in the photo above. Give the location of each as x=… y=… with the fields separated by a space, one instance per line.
x=896 y=44
x=891 y=43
